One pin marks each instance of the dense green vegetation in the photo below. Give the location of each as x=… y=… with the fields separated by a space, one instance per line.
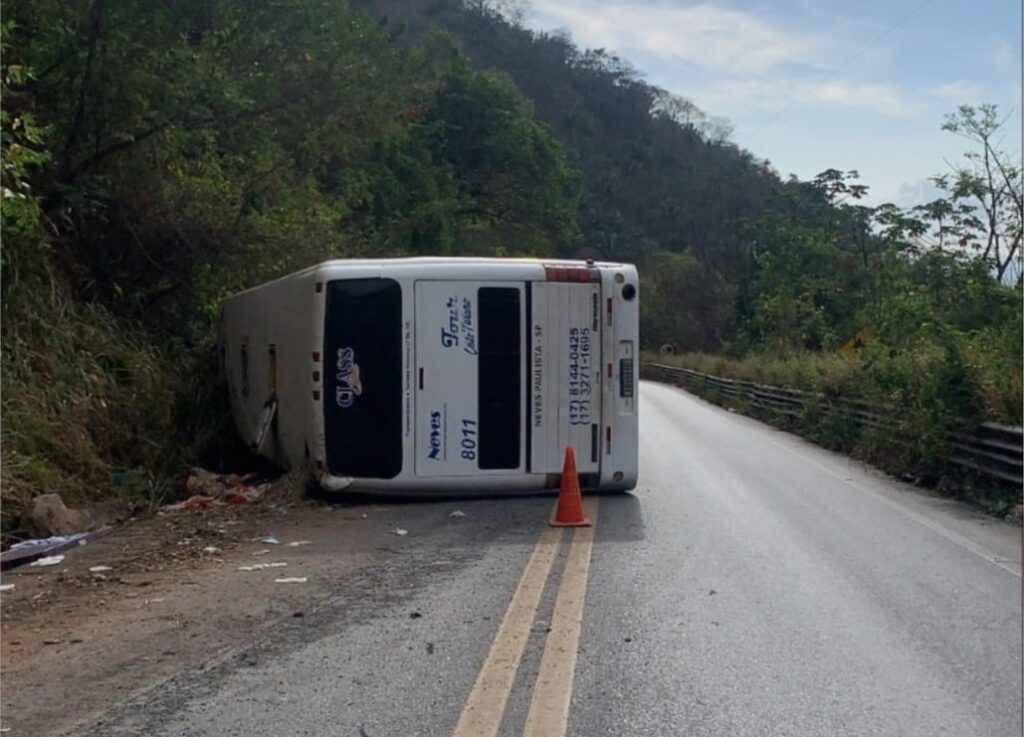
x=657 y=175
x=160 y=156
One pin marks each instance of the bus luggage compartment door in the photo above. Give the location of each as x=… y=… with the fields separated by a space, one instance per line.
x=565 y=376
x=470 y=373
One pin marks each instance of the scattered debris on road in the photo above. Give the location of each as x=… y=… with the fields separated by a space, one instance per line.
x=50 y=560
x=457 y=513
x=211 y=490
x=297 y=543
x=192 y=504
x=106 y=594
x=400 y=532
x=270 y=541
x=46 y=544
x=211 y=549
x=28 y=551
x=261 y=566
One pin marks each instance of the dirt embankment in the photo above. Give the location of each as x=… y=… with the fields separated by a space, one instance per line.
x=163 y=595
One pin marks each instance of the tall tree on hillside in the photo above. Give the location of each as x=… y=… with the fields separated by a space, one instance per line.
x=657 y=173
x=985 y=203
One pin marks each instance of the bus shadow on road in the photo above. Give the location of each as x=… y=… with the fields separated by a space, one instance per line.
x=620 y=519
x=493 y=519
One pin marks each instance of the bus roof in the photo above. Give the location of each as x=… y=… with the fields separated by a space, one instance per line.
x=437 y=261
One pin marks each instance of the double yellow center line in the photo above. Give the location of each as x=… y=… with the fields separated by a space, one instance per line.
x=549 y=707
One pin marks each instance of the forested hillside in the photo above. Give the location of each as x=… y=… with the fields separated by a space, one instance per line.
x=737 y=257
x=658 y=175
x=160 y=156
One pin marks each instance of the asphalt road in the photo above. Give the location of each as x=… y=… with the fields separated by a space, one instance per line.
x=752 y=585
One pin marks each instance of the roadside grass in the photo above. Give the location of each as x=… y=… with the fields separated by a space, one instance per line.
x=90 y=404
x=807 y=371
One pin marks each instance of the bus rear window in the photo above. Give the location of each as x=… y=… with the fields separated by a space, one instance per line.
x=363 y=378
x=500 y=389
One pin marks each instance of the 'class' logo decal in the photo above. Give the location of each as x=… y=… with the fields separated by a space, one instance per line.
x=350 y=384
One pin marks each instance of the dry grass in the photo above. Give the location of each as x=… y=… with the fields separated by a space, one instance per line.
x=89 y=403
x=809 y=371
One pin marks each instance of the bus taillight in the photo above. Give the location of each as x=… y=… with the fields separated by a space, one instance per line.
x=572 y=274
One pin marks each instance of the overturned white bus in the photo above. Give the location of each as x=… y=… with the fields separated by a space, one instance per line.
x=440 y=375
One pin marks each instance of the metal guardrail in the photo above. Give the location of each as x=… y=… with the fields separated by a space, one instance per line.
x=990 y=449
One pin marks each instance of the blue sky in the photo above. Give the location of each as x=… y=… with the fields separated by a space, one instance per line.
x=812 y=85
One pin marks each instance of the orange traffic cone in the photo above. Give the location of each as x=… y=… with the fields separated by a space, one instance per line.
x=569 y=512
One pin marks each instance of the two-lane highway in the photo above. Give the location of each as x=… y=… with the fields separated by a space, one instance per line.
x=780 y=589
x=753 y=585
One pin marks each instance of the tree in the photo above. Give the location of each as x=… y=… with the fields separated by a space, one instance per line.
x=22 y=140
x=685 y=304
x=989 y=184
x=656 y=172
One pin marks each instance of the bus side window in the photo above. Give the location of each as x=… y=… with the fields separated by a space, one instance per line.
x=244 y=370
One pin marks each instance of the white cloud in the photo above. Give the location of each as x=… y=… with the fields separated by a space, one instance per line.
x=879 y=97
x=920 y=192
x=959 y=93
x=708 y=36
x=737 y=58
x=1005 y=54
x=777 y=94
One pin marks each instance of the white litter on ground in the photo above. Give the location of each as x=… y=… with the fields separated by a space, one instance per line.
x=399 y=531
x=99 y=569
x=261 y=566
x=296 y=579
x=50 y=560
x=457 y=513
x=297 y=543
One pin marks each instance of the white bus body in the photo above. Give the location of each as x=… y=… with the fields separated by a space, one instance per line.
x=440 y=375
